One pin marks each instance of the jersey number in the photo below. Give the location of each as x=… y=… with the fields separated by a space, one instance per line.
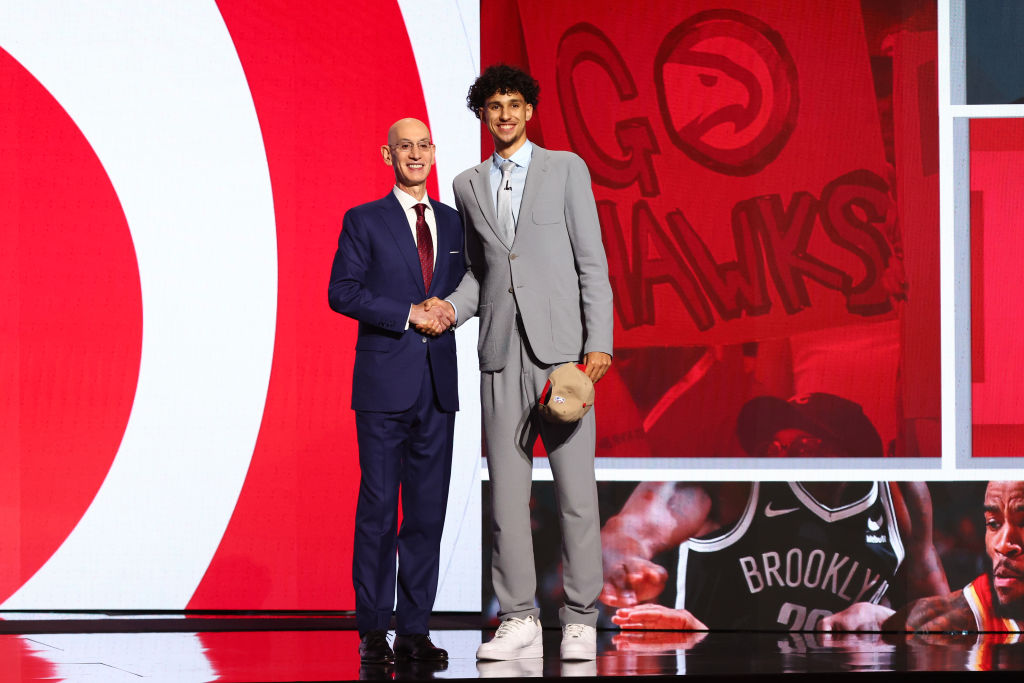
x=797 y=618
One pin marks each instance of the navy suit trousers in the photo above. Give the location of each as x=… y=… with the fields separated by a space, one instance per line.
x=408 y=452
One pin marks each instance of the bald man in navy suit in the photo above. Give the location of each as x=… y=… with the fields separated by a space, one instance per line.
x=392 y=253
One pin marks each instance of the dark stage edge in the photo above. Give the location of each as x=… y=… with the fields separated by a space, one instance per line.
x=207 y=621
x=277 y=646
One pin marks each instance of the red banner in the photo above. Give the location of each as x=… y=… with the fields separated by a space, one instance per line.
x=737 y=160
x=747 y=159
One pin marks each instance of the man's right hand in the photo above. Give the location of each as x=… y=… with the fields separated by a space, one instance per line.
x=429 y=319
x=631 y=580
x=442 y=308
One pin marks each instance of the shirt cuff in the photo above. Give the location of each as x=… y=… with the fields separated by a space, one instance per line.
x=454 y=308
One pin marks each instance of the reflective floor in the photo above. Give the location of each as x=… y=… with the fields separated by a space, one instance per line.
x=167 y=652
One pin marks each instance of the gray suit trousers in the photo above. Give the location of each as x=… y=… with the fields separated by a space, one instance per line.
x=511 y=426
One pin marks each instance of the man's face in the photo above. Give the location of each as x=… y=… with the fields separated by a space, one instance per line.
x=506 y=116
x=1004 y=524
x=410 y=152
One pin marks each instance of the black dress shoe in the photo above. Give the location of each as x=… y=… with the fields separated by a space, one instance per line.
x=374 y=648
x=418 y=646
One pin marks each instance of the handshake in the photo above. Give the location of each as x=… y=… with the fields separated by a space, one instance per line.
x=432 y=317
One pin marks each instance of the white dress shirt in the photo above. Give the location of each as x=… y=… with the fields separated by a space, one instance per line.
x=408 y=203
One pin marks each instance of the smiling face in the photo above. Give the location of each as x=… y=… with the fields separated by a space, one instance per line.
x=505 y=116
x=410 y=152
x=1004 y=536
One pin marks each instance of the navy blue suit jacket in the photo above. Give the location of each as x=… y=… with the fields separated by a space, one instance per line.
x=375 y=277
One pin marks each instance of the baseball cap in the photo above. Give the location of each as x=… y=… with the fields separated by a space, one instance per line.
x=824 y=415
x=568 y=394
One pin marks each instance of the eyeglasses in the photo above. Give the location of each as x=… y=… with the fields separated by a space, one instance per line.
x=405 y=146
x=800 y=447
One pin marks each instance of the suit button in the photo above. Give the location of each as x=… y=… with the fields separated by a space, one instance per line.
x=511 y=257
x=423 y=339
x=510 y=290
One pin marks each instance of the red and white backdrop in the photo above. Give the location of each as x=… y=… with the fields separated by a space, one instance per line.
x=175 y=411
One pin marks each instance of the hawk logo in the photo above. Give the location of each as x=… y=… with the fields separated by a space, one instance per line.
x=727 y=90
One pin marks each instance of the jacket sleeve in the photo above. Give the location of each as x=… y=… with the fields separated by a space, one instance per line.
x=466 y=296
x=351 y=290
x=591 y=263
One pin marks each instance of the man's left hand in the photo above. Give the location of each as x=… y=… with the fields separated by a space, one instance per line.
x=655 y=616
x=597 y=363
x=860 y=616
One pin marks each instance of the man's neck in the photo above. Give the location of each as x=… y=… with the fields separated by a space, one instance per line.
x=507 y=152
x=417 y=192
x=1012 y=611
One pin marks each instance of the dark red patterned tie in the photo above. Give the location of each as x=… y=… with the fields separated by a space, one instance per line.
x=424 y=245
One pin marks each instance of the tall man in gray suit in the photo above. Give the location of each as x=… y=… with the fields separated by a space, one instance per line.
x=538 y=280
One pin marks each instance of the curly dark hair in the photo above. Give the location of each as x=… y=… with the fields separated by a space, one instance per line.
x=503 y=79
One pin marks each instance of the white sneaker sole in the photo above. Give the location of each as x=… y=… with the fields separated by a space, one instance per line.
x=528 y=652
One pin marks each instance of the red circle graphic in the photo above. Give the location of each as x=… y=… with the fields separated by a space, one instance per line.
x=72 y=333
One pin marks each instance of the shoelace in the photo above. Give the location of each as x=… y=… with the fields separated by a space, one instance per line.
x=574 y=630
x=509 y=626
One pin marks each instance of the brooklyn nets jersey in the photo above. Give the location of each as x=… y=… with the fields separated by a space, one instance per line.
x=789 y=560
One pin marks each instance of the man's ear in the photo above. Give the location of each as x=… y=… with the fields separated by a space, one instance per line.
x=529 y=111
x=385 y=152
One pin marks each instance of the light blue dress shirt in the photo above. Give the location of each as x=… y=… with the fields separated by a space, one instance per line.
x=518 y=179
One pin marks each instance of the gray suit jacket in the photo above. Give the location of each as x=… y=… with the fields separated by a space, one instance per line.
x=555 y=272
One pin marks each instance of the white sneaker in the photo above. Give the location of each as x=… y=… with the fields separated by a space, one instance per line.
x=514 y=639
x=579 y=642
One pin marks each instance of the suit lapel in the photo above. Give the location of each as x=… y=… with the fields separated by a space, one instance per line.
x=481 y=183
x=441 y=249
x=536 y=175
x=398 y=225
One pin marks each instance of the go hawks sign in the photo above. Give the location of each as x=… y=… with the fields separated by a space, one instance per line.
x=741 y=181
